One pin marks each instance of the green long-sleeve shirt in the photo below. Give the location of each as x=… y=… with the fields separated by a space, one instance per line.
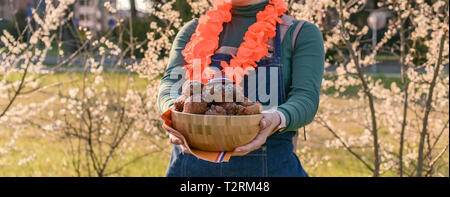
x=302 y=69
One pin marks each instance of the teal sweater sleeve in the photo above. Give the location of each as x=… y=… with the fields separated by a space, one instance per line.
x=306 y=73
x=176 y=59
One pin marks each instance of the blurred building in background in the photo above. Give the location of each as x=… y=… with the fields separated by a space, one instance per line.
x=93 y=15
x=10 y=7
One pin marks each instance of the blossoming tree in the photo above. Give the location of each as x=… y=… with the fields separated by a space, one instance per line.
x=414 y=111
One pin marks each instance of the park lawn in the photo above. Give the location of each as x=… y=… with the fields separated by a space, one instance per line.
x=50 y=158
x=47 y=154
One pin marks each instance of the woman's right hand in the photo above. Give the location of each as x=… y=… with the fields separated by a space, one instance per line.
x=175 y=140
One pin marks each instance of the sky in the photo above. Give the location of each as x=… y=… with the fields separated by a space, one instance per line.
x=141 y=5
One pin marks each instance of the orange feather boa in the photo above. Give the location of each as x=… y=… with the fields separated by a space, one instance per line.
x=205 y=41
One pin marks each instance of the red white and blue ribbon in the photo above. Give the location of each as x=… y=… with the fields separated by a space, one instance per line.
x=220 y=156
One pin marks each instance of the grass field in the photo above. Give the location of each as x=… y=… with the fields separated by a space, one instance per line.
x=39 y=154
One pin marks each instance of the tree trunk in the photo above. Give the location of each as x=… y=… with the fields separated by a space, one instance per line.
x=405 y=98
x=367 y=93
x=133 y=10
x=424 y=132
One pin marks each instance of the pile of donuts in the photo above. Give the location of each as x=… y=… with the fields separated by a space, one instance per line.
x=214 y=99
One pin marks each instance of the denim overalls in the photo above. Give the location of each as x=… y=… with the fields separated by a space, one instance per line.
x=274 y=159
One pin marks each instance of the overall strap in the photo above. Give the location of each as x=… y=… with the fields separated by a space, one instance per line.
x=287 y=22
x=277 y=43
x=295 y=33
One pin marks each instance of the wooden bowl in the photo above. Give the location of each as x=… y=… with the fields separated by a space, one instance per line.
x=216 y=132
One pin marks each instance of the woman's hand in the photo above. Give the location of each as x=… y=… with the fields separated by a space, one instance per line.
x=268 y=123
x=174 y=140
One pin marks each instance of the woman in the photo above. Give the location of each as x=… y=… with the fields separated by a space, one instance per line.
x=297 y=52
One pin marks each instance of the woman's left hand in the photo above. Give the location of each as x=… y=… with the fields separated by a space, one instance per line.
x=268 y=123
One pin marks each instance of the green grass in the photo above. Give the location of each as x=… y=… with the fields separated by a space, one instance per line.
x=353 y=90
x=387 y=58
x=52 y=159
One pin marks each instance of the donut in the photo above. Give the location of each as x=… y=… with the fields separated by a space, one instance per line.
x=229 y=107
x=256 y=108
x=195 y=105
x=216 y=110
x=179 y=103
